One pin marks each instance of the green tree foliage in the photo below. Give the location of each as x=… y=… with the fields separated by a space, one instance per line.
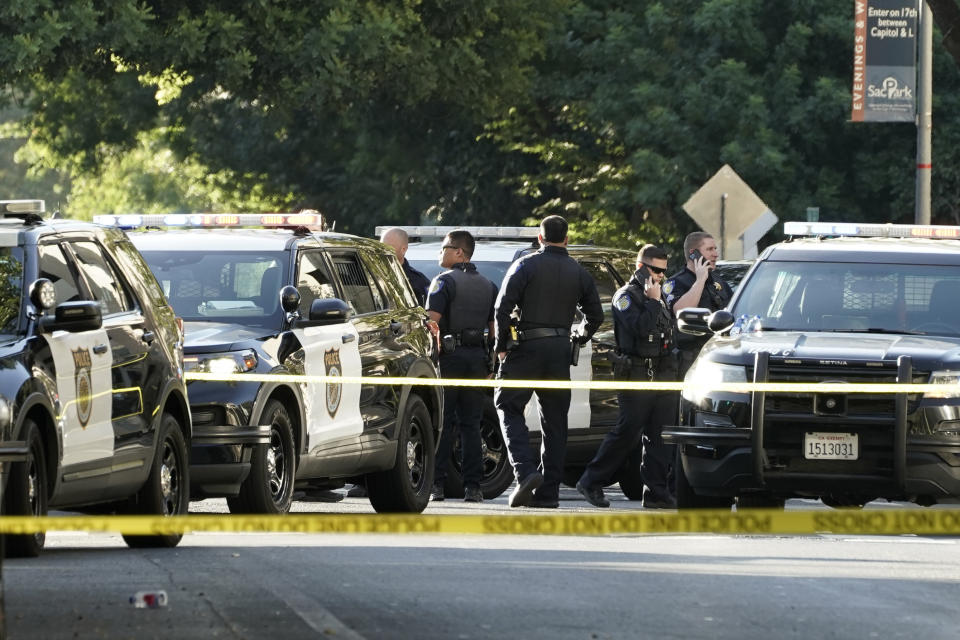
x=367 y=110
x=638 y=105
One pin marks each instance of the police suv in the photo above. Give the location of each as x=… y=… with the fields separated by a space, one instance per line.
x=91 y=380
x=592 y=413
x=273 y=294
x=839 y=304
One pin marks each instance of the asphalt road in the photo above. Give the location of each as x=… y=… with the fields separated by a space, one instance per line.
x=471 y=586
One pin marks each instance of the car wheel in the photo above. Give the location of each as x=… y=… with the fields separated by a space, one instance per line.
x=759 y=501
x=26 y=494
x=269 y=487
x=687 y=498
x=167 y=489
x=497 y=472
x=842 y=501
x=406 y=487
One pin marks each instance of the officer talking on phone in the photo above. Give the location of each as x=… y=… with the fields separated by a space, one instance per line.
x=544 y=290
x=643 y=326
x=696 y=286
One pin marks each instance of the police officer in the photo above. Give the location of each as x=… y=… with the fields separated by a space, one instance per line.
x=544 y=289
x=643 y=326
x=461 y=303
x=399 y=240
x=696 y=286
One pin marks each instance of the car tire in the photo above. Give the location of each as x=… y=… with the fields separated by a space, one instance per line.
x=167 y=489
x=497 y=472
x=26 y=494
x=687 y=498
x=269 y=487
x=406 y=487
x=759 y=501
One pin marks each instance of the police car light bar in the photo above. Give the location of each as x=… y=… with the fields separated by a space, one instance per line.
x=870 y=230
x=212 y=220
x=504 y=233
x=23 y=206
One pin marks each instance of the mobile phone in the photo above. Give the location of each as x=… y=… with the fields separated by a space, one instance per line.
x=644 y=273
x=695 y=255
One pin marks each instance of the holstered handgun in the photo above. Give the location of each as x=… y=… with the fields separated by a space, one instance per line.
x=574 y=351
x=621 y=364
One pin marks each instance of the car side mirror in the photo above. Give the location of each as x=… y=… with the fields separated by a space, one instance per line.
x=325 y=311
x=43 y=295
x=289 y=298
x=693 y=321
x=720 y=321
x=82 y=315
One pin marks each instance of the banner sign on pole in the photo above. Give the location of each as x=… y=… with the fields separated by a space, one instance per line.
x=885 y=60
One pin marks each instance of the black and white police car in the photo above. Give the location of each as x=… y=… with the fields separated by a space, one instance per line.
x=592 y=413
x=91 y=380
x=272 y=294
x=837 y=303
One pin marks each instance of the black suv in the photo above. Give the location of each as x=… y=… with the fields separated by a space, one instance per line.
x=851 y=304
x=592 y=413
x=91 y=378
x=286 y=298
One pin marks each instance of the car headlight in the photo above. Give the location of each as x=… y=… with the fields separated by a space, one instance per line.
x=221 y=363
x=705 y=375
x=948 y=379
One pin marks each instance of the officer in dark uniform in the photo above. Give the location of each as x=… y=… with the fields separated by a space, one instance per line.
x=544 y=289
x=644 y=330
x=461 y=303
x=696 y=286
x=399 y=240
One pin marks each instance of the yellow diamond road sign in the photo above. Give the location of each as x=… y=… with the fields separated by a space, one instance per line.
x=728 y=209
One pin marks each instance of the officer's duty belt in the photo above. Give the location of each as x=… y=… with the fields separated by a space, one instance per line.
x=470 y=338
x=545 y=332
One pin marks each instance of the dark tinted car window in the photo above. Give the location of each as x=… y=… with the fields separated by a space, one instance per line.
x=607 y=284
x=357 y=288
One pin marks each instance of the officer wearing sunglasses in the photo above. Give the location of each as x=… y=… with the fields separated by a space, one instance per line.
x=644 y=330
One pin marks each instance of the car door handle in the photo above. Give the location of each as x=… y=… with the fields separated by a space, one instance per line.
x=396 y=328
x=148 y=337
x=100 y=348
x=348 y=337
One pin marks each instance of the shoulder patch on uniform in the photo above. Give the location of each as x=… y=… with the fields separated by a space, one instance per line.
x=436 y=285
x=668 y=287
x=622 y=301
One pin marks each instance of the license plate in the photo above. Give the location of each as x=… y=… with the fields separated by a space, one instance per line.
x=818 y=445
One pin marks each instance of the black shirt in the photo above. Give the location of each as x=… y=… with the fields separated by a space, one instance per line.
x=547 y=287
x=418 y=281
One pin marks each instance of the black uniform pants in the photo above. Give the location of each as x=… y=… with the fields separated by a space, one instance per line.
x=462 y=412
x=541 y=359
x=640 y=423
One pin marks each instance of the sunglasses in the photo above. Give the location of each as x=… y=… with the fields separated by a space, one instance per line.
x=656 y=270
x=448 y=246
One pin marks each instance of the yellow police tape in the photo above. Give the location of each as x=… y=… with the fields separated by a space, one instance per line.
x=931 y=390
x=749 y=522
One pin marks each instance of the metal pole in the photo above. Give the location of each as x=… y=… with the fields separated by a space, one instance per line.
x=924 y=115
x=723 y=232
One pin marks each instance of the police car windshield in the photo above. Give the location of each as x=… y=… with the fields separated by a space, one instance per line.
x=11 y=290
x=494 y=271
x=856 y=297
x=242 y=287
